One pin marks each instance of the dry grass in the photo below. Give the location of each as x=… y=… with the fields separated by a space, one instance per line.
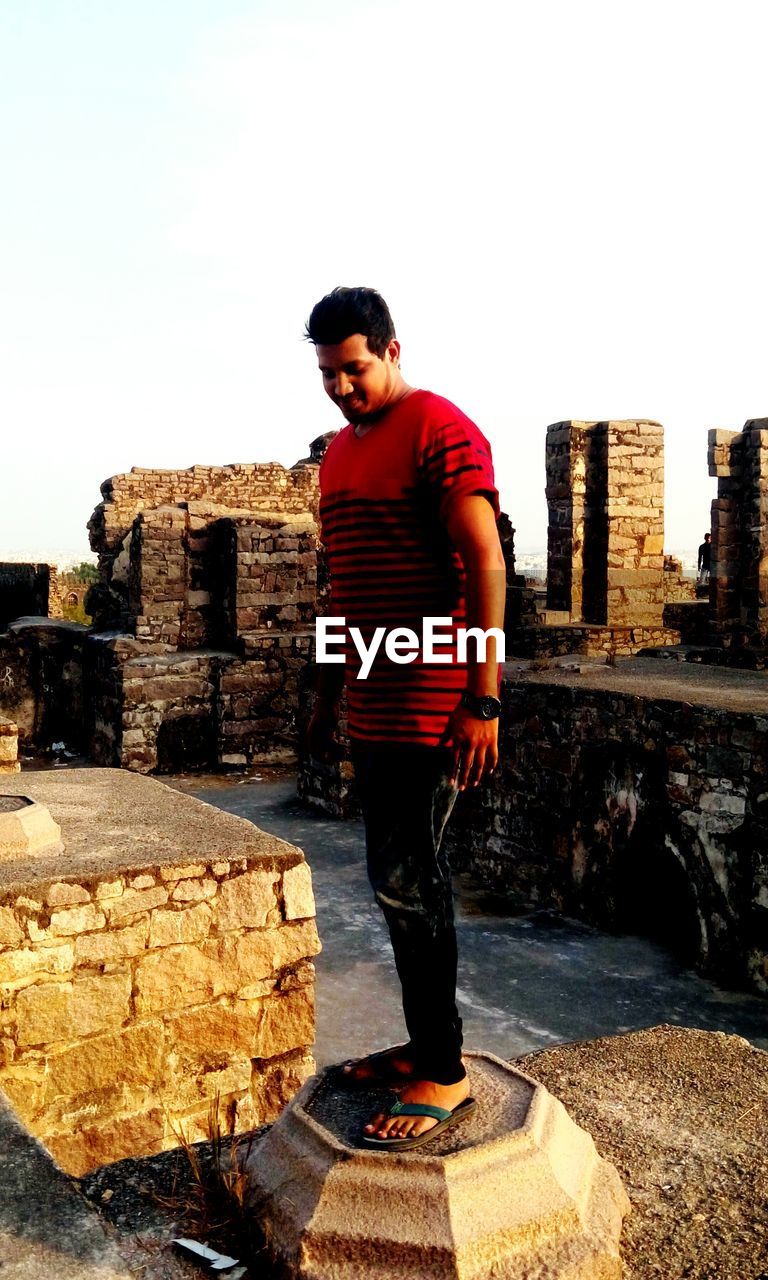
x=216 y=1203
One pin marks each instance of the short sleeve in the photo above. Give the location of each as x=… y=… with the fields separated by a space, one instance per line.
x=455 y=461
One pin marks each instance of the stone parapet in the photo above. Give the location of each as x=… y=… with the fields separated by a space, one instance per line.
x=162 y=962
x=633 y=798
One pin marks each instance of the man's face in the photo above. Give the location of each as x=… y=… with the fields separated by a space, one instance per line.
x=358 y=381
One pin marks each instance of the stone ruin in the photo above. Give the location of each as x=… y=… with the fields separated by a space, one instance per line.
x=28 y=590
x=739 y=574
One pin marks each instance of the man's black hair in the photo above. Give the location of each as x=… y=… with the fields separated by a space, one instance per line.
x=346 y=311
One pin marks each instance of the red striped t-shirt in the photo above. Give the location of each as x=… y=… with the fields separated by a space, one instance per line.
x=383 y=506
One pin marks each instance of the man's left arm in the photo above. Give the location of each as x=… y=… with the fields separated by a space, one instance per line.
x=471 y=524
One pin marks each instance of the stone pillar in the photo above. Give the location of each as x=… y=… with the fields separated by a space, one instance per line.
x=565 y=466
x=157 y=579
x=635 y=524
x=605 y=490
x=739 y=577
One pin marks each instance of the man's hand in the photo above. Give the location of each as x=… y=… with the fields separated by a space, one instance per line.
x=474 y=747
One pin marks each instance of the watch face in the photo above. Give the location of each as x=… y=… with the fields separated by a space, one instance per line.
x=487 y=708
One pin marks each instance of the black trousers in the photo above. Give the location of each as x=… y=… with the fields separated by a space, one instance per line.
x=406 y=798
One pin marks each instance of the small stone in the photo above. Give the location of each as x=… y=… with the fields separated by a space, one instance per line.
x=143 y=882
x=194 y=890
x=182 y=873
x=77 y=920
x=66 y=895
x=11 y=933
x=297 y=892
x=109 y=889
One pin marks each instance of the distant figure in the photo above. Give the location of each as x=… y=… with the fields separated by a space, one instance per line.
x=705 y=556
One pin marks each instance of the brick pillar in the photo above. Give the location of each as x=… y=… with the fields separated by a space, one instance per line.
x=565 y=468
x=157 y=576
x=725 y=457
x=635 y=523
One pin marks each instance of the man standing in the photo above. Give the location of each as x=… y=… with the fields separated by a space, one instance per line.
x=705 y=558
x=408 y=512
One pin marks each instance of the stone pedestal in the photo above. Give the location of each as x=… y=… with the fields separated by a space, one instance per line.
x=515 y=1191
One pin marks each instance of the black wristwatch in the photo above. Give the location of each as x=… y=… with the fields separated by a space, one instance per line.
x=485 y=708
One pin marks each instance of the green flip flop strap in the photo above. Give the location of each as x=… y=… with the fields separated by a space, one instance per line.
x=419 y=1109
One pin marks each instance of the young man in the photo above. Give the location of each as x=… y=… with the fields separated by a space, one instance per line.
x=408 y=512
x=705 y=558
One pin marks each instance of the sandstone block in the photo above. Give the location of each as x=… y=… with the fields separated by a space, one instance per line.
x=108 y=946
x=143 y=882
x=288 y=1022
x=298 y=898
x=245 y=901
x=134 y=1056
x=17 y=965
x=56 y=1010
x=66 y=895
x=179 y=976
x=183 y=873
x=81 y=919
x=172 y=927
x=194 y=890
x=81 y=1152
x=109 y=889
x=133 y=901
x=262 y=952
x=10 y=932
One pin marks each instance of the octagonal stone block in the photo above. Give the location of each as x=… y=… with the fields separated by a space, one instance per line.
x=26 y=827
x=515 y=1191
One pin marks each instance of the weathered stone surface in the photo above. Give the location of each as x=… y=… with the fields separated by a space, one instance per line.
x=132 y=902
x=77 y=920
x=262 y=952
x=116 y=944
x=245 y=901
x=111 y=1140
x=194 y=890
x=170 y=927
x=179 y=976
x=287 y=1022
x=66 y=895
x=516 y=1190
x=28 y=963
x=134 y=1056
x=298 y=898
x=55 y=1010
x=10 y=933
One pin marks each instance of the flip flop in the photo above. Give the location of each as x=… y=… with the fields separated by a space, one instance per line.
x=382 y=1077
x=444 y=1121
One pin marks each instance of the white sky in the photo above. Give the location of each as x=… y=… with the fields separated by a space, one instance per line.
x=561 y=201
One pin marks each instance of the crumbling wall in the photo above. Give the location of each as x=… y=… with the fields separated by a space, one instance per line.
x=739 y=572
x=605 y=494
x=210 y=578
x=632 y=812
x=41 y=682
x=28 y=590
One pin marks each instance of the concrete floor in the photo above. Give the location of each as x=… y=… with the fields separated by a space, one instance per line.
x=525 y=982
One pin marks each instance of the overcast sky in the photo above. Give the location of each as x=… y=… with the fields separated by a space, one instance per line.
x=561 y=201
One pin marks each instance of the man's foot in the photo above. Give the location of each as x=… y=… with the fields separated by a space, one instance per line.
x=447 y=1096
x=389 y=1069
